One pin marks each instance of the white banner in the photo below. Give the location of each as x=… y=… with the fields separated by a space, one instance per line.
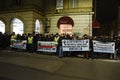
x=18 y=44
x=75 y=45
x=105 y=47
x=46 y=46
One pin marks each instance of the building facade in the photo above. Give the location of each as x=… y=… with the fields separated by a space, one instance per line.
x=42 y=16
x=119 y=21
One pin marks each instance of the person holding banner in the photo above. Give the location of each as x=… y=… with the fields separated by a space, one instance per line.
x=93 y=54
x=60 y=51
x=13 y=41
x=13 y=36
x=86 y=53
x=56 y=38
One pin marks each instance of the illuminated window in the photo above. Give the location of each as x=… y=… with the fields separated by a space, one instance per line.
x=66 y=28
x=17 y=26
x=59 y=4
x=73 y=3
x=2 y=27
x=37 y=26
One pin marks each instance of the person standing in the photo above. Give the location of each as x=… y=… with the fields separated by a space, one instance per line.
x=13 y=41
x=13 y=36
x=56 y=38
x=30 y=43
x=60 y=49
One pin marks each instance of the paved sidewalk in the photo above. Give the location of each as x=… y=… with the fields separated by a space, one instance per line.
x=38 y=61
x=86 y=69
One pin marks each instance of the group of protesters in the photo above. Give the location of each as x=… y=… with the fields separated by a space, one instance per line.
x=4 y=40
x=33 y=38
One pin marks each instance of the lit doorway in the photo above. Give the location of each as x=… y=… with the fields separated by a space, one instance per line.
x=65 y=28
x=2 y=27
x=65 y=25
x=17 y=26
x=37 y=26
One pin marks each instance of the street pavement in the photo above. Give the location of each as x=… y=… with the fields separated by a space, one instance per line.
x=20 y=65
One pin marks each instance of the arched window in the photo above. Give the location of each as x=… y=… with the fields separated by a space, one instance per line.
x=2 y=27
x=59 y=4
x=37 y=26
x=17 y=26
x=73 y=3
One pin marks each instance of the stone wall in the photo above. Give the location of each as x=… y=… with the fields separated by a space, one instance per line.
x=28 y=18
x=82 y=23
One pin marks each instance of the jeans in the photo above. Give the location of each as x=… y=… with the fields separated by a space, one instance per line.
x=60 y=51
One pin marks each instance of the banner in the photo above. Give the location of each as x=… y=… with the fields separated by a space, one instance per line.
x=46 y=46
x=75 y=45
x=13 y=41
x=105 y=47
x=18 y=44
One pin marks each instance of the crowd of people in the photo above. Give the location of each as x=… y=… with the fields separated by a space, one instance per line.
x=32 y=39
x=4 y=40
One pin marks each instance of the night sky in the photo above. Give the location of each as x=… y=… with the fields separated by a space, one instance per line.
x=107 y=10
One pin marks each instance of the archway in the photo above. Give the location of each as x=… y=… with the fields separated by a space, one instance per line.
x=17 y=26
x=37 y=26
x=2 y=27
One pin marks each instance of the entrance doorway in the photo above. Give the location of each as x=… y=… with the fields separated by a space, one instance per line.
x=65 y=25
x=2 y=27
x=66 y=28
x=17 y=26
x=37 y=26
